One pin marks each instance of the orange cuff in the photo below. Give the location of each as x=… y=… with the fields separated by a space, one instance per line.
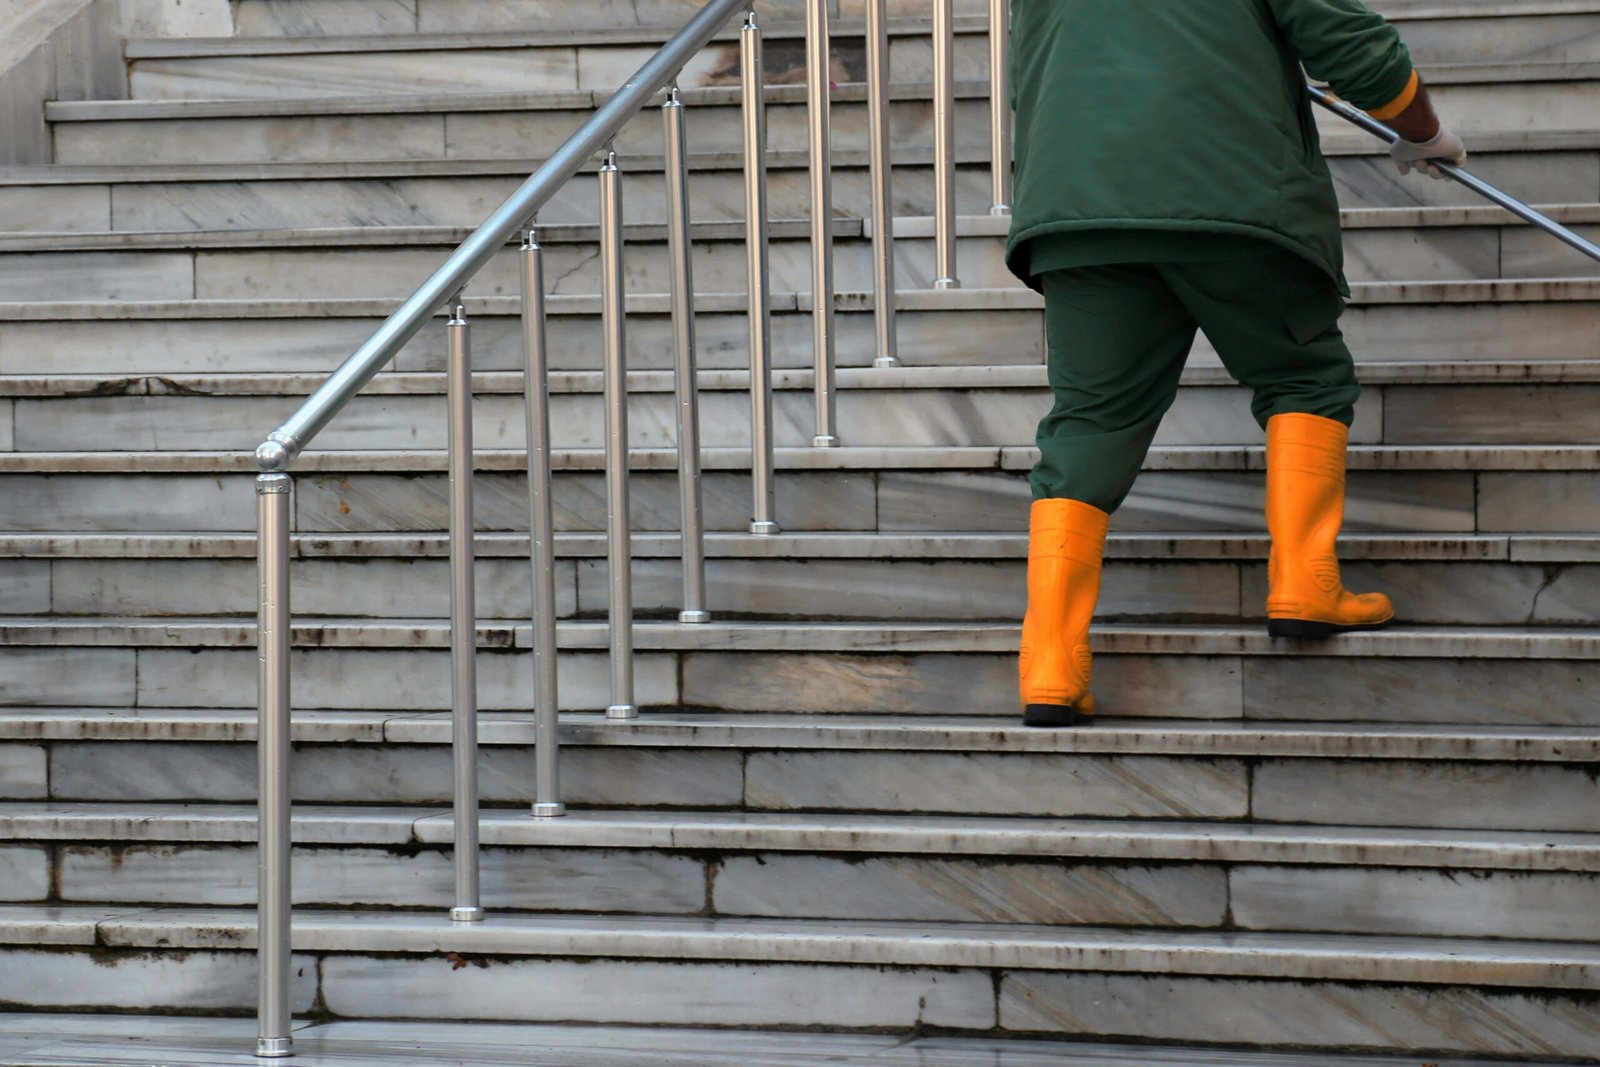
x=1394 y=108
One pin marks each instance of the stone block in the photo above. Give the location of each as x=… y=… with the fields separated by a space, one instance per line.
x=24 y=872
x=1405 y=1019
x=947 y=684
x=97 y=677
x=404 y=774
x=988 y=783
x=658 y=993
x=817 y=502
x=1477 y=796
x=1481 y=692
x=1509 y=904
x=390 y=679
x=24 y=774
x=1539 y=501
x=929 y=889
x=139 y=980
x=57 y=276
x=324 y=18
x=301 y=139
x=24 y=587
x=543 y=879
x=38 y=502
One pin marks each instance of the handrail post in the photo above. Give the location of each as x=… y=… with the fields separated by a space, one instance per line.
x=619 y=561
x=541 y=535
x=463 y=616
x=1000 y=106
x=944 y=145
x=680 y=252
x=274 y=501
x=763 y=521
x=818 y=102
x=878 y=134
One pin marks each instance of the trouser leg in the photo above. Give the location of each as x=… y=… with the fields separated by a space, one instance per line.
x=1274 y=320
x=1117 y=341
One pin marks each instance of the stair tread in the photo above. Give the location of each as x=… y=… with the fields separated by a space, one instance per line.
x=1400 y=641
x=1243 y=545
x=906 y=227
x=1010 y=298
x=971 y=377
x=1346 y=957
x=989 y=458
x=109 y=1040
x=970 y=733
x=1111 y=839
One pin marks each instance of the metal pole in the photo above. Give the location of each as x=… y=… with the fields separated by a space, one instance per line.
x=681 y=253
x=541 y=536
x=755 y=197
x=878 y=134
x=273 y=902
x=1355 y=115
x=1000 y=105
x=818 y=101
x=463 y=616
x=619 y=560
x=944 y=145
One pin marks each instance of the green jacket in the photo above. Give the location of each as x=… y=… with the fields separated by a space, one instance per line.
x=1187 y=116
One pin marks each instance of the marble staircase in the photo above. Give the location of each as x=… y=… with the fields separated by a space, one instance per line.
x=830 y=817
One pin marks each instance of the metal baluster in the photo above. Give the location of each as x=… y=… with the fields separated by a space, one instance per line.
x=680 y=251
x=818 y=102
x=541 y=536
x=619 y=559
x=754 y=105
x=944 y=145
x=1000 y=105
x=463 y=615
x=273 y=903
x=878 y=134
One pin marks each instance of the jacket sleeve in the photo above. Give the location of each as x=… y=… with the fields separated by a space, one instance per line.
x=1352 y=48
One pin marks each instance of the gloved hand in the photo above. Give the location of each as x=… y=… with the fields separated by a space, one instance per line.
x=1445 y=146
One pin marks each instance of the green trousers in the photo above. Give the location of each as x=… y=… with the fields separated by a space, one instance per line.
x=1118 y=337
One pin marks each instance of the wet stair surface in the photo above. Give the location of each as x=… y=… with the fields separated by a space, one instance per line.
x=830 y=817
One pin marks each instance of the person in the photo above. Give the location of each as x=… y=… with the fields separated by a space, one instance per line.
x=1169 y=179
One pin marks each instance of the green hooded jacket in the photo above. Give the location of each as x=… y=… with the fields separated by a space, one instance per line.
x=1186 y=117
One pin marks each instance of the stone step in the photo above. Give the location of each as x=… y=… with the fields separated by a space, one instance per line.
x=582 y=58
x=882 y=868
x=971 y=978
x=1324 y=775
x=123 y=1039
x=1441 y=588
x=1544 y=166
x=894 y=408
x=1408 y=675
x=1491 y=489
x=1428 y=244
x=1501 y=321
x=466 y=125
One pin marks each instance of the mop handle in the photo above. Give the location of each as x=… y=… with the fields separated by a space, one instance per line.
x=1478 y=185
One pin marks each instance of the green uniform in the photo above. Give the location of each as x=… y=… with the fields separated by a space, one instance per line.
x=1168 y=179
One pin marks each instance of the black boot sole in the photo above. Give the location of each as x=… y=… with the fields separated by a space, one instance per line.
x=1305 y=629
x=1054 y=715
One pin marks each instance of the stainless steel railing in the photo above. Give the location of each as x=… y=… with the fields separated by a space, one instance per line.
x=443 y=291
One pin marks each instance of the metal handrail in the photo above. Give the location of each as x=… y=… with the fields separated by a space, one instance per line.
x=444 y=289
x=291 y=438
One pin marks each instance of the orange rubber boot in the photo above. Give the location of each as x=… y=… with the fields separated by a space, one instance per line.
x=1066 y=541
x=1305 y=508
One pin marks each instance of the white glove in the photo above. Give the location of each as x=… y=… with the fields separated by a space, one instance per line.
x=1445 y=147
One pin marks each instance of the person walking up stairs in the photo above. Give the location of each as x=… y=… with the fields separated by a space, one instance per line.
x=1141 y=222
